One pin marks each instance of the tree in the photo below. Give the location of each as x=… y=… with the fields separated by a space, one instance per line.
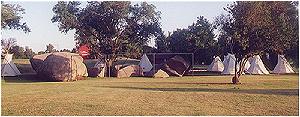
x=65 y=50
x=7 y=44
x=256 y=27
x=18 y=52
x=28 y=52
x=109 y=27
x=197 y=38
x=11 y=15
x=74 y=50
x=41 y=52
x=198 y=35
x=49 y=48
x=162 y=43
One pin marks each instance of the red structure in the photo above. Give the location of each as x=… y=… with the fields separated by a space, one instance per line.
x=84 y=51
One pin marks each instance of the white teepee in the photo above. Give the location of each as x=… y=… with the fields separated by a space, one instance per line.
x=8 y=68
x=225 y=59
x=247 y=66
x=282 y=66
x=257 y=66
x=145 y=64
x=216 y=65
x=229 y=64
x=102 y=66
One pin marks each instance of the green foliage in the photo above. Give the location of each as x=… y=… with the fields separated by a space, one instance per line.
x=41 y=52
x=179 y=41
x=201 y=33
x=49 y=48
x=28 y=52
x=197 y=36
x=11 y=14
x=254 y=27
x=109 y=27
x=18 y=52
x=261 y=26
x=65 y=50
x=21 y=53
x=6 y=44
x=162 y=43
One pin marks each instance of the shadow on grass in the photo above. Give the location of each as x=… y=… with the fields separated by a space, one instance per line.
x=289 y=92
x=205 y=83
x=203 y=73
x=24 y=78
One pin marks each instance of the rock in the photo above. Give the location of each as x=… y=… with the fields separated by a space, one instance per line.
x=95 y=68
x=169 y=70
x=160 y=74
x=131 y=70
x=37 y=61
x=60 y=66
x=176 y=66
x=96 y=72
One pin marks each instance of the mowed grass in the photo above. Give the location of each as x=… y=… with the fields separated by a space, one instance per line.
x=197 y=95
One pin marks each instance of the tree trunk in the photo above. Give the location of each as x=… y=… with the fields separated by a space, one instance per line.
x=109 y=64
x=235 y=79
x=239 y=72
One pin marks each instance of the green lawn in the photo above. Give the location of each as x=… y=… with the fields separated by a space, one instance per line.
x=202 y=95
x=197 y=95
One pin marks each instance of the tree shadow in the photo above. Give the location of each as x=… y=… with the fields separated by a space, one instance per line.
x=208 y=83
x=24 y=78
x=288 y=92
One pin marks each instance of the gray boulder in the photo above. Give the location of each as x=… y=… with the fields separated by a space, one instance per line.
x=59 y=66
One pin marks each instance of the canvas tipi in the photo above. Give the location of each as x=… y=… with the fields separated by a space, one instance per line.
x=257 y=66
x=145 y=64
x=247 y=66
x=282 y=66
x=225 y=59
x=8 y=68
x=229 y=64
x=216 y=65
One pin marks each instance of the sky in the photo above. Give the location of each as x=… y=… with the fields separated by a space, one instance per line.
x=177 y=14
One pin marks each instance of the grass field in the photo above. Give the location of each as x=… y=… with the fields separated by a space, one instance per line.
x=198 y=95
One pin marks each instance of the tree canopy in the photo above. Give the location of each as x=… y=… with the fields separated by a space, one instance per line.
x=7 y=44
x=109 y=27
x=11 y=15
x=253 y=27
x=197 y=38
x=199 y=35
x=49 y=48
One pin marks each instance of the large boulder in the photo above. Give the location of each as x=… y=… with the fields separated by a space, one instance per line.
x=176 y=66
x=37 y=61
x=98 y=70
x=131 y=70
x=59 y=66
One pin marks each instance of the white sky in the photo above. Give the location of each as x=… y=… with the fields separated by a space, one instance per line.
x=38 y=16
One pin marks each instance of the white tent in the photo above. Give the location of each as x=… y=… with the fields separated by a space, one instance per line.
x=145 y=64
x=8 y=68
x=257 y=66
x=282 y=66
x=216 y=65
x=229 y=64
x=225 y=59
x=102 y=67
x=247 y=66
